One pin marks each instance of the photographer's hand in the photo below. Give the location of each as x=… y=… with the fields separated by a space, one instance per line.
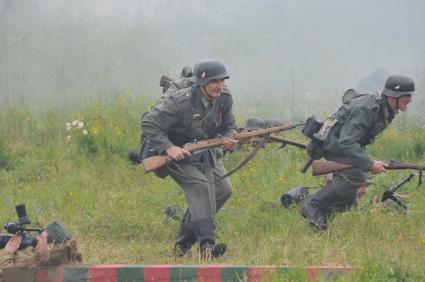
x=13 y=244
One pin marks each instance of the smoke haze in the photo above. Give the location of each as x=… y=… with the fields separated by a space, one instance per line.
x=286 y=58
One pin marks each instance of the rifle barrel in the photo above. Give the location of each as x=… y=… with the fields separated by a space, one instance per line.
x=324 y=167
x=392 y=165
x=286 y=141
x=211 y=143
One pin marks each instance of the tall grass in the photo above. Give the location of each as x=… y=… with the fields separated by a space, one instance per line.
x=117 y=212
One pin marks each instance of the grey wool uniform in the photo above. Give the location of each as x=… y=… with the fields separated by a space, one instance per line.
x=360 y=119
x=359 y=122
x=182 y=117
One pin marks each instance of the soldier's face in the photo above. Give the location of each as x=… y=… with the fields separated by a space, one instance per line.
x=214 y=87
x=403 y=101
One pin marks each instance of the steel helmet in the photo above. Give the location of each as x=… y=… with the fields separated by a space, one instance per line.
x=398 y=85
x=254 y=123
x=208 y=70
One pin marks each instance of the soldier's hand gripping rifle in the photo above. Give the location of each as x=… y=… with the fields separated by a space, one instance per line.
x=325 y=167
x=155 y=162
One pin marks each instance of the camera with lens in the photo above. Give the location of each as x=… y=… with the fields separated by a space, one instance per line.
x=19 y=228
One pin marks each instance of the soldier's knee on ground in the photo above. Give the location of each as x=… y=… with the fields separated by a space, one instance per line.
x=316 y=217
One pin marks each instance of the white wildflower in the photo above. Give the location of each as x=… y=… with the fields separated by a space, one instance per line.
x=68 y=138
x=80 y=125
x=75 y=122
x=85 y=132
x=68 y=124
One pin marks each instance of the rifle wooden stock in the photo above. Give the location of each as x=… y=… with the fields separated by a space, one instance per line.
x=324 y=167
x=152 y=163
x=155 y=162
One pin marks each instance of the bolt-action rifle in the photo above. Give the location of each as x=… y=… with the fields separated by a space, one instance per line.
x=155 y=162
x=324 y=167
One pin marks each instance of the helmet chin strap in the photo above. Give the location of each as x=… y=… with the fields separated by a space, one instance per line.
x=206 y=93
x=396 y=108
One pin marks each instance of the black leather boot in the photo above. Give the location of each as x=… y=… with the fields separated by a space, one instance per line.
x=205 y=234
x=317 y=209
x=209 y=250
x=317 y=218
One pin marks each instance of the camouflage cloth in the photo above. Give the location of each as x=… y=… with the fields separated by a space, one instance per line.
x=8 y=259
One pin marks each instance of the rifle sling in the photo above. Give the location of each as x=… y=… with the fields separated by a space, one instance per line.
x=257 y=147
x=366 y=183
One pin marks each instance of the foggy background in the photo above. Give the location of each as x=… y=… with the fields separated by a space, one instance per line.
x=286 y=59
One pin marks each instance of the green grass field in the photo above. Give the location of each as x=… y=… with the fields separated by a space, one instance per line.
x=117 y=211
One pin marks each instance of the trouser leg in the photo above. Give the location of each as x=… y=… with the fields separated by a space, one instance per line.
x=199 y=193
x=186 y=237
x=200 y=199
x=316 y=211
x=223 y=188
x=347 y=184
x=337 y=195
x=204 y=200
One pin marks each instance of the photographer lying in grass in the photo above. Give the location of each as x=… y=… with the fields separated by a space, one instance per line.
x=55 y=246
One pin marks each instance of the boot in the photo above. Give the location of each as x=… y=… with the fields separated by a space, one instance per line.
x=209 y=250
x=205 y=234
x=186 y=237
x=317 y=209
x=317 y=218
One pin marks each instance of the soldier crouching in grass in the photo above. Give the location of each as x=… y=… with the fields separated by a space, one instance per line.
x=201 y=111
x=55 y=247
x=358 y=122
